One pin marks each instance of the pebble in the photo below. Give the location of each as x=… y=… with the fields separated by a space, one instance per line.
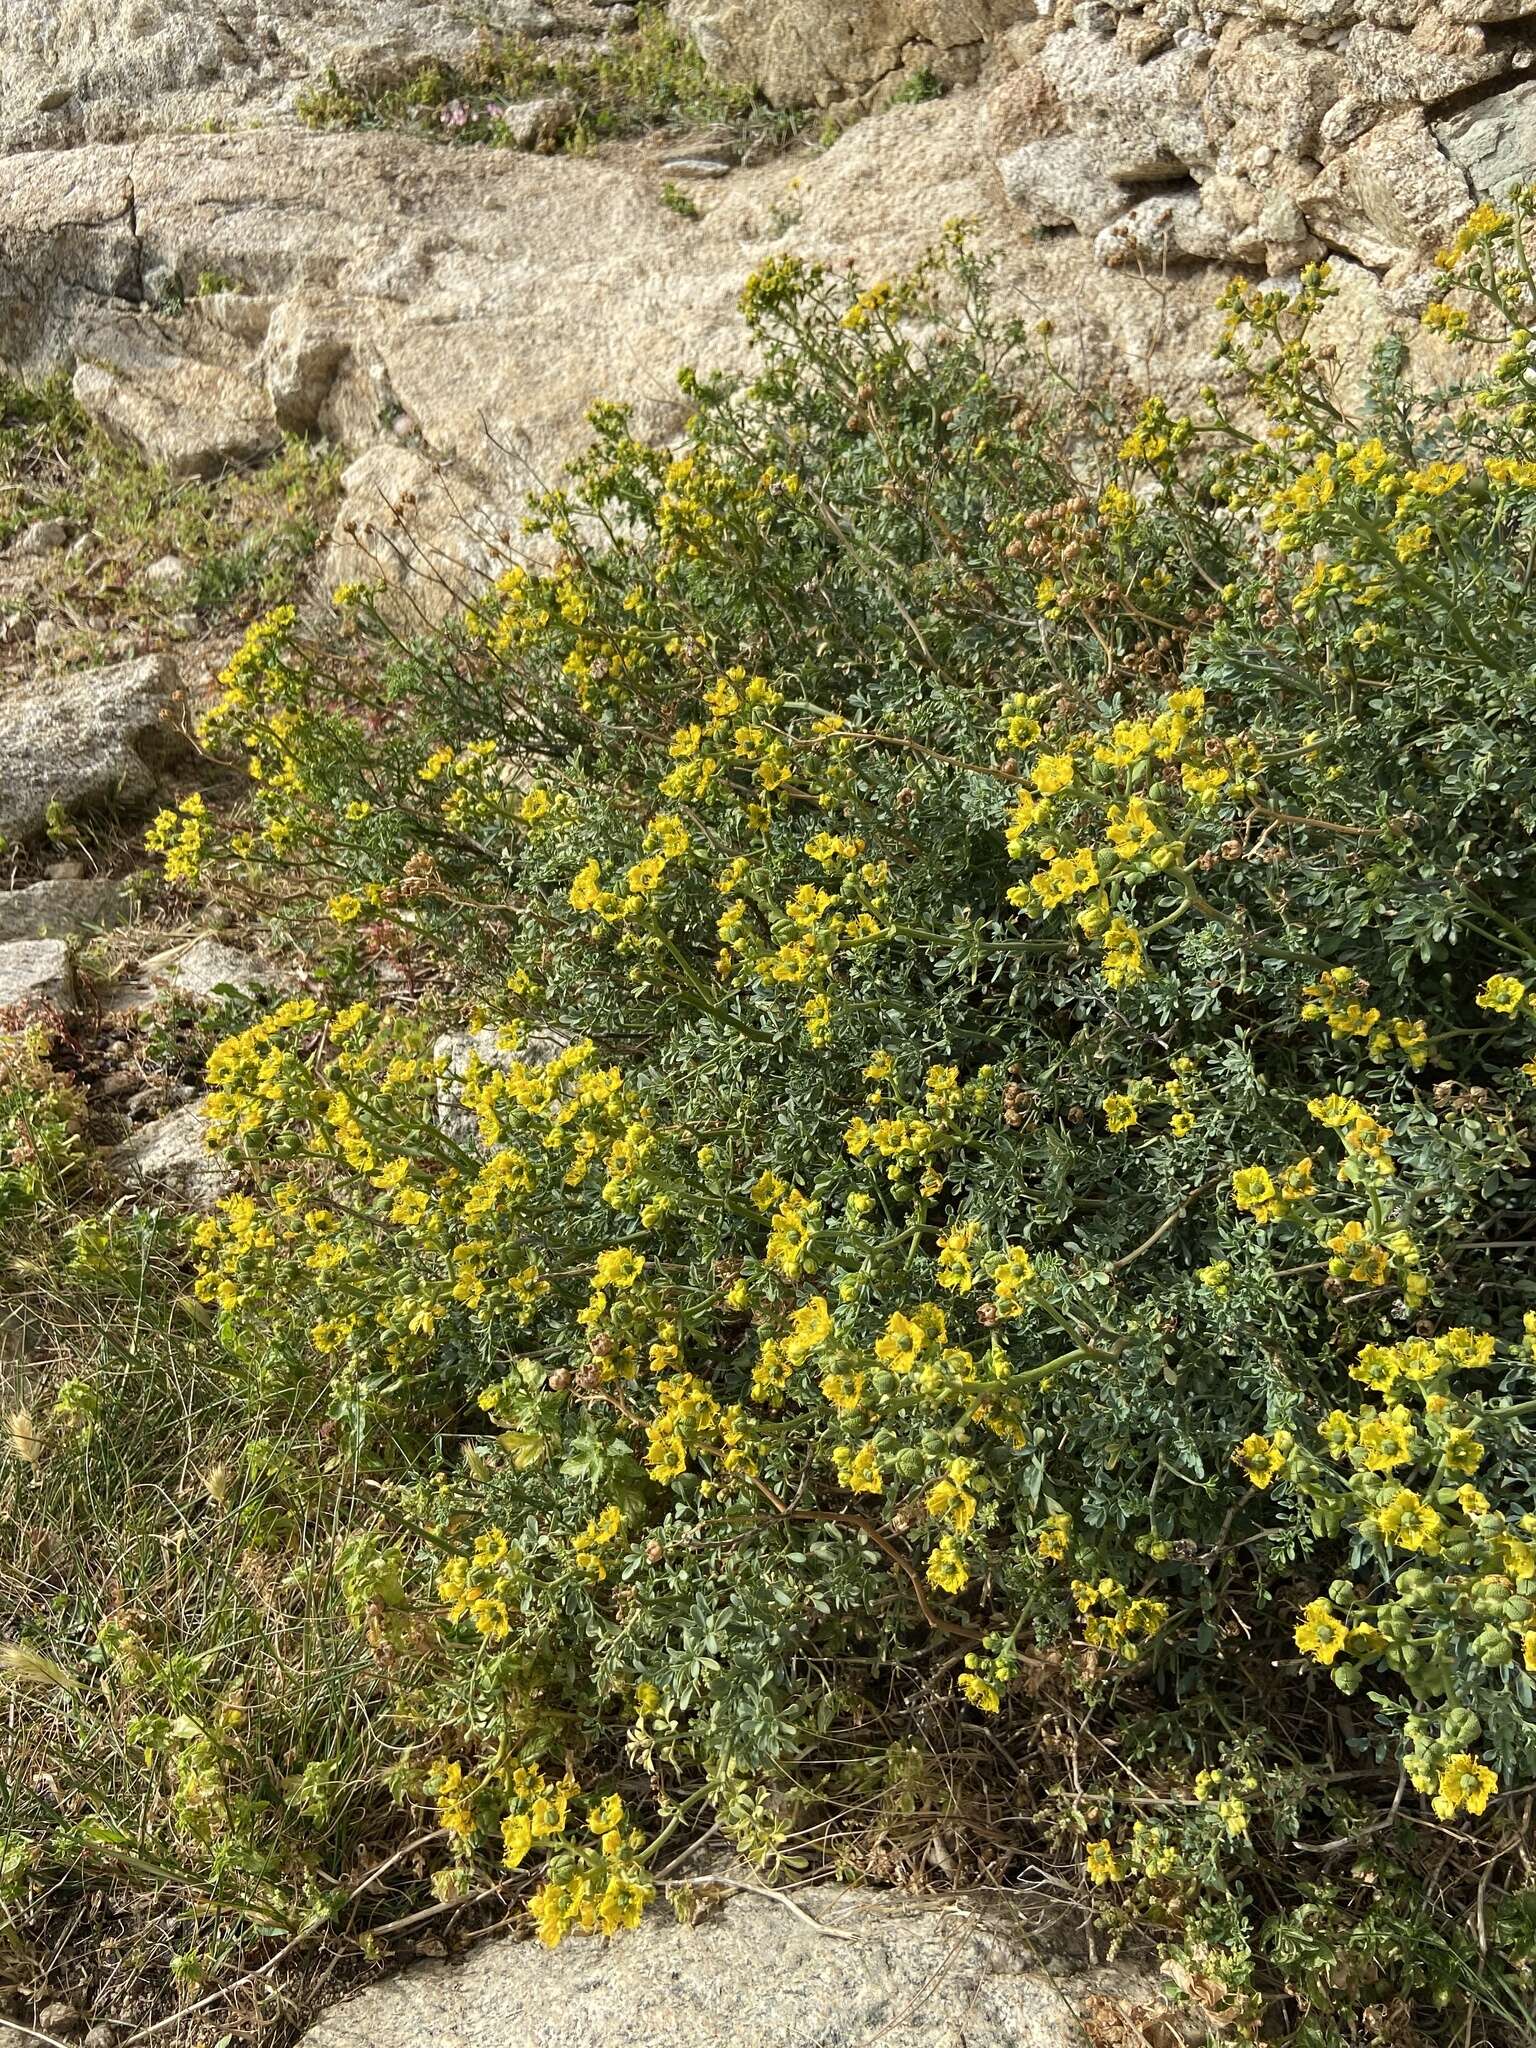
x=166 y=574
x=697 y=166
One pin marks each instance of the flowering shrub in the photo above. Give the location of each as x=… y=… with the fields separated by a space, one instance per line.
x=967 y=1262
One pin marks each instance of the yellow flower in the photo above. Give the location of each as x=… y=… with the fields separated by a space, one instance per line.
x=946 y=1567
x=1503 y=993
x=1101 y=1863
x=1119 y=1112
x=619 y=1269
x=1262 y=1457
x=1253 y=1189
x=903 y=1340
x=980 y=1691
x=1053 y=772
x=1320 y=1633
x=809 y=1327
x=1464 y=1783
x=859 y=1471
x=1408 y=1523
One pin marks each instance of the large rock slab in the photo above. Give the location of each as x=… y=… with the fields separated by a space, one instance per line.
x=450 y=314
x=856 y=1969
x=61 y=910
x=36 y=974
x=99 y=737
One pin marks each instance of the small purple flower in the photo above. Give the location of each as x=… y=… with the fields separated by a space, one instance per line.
x=455 y=114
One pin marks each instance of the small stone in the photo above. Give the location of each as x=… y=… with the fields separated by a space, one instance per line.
x=540 y=123
x=42 y=537
x=37 y=974
x=49 y=633
x=171 y=1157
x=102 y=2036
x=621 y=21
x=697 y=166
x=59 y=2018
x=169 y=573
x=64 y=871
x=203 y=971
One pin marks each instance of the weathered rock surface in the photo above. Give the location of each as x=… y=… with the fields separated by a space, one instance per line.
x=1278 y=129
x=61 y=910
x=449 y=314
x=107 y=70
x=170 y=1157
x=812 y=52
x=195 y=418
x=753 y=1975
x=36 y=974
x=1494 y=141
x=98 y=737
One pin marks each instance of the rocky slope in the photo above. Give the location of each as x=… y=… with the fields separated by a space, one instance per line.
x=447 y=313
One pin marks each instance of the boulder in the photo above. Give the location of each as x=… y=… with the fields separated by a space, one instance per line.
x=62 y=910
x=196 y=418
x=1494 y=142
x=453 y=1052
x=1171 y=228
x=821 y=1967
x=1435 y=62
x=171 y=1158
x=98 y=737
x=36 y=975
x=1392 y=195
x=1268 y=93
x=1062 y=181
x=1103 y=89
x=301 y=351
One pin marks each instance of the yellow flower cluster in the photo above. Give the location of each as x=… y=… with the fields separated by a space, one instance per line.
x=1337 y=999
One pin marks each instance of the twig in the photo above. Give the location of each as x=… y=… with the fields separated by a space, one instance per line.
x=759 y=1891
x=1164 y=1227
